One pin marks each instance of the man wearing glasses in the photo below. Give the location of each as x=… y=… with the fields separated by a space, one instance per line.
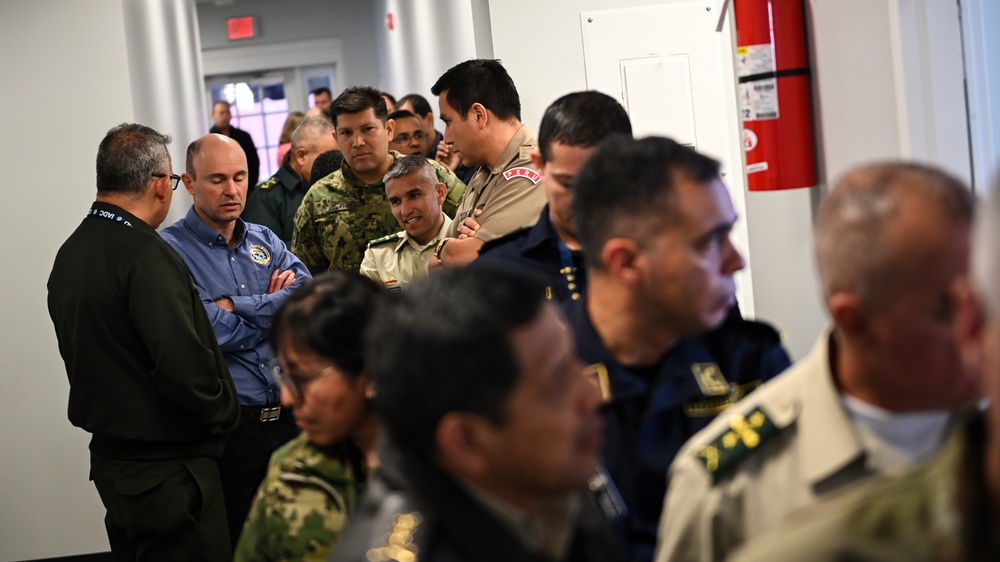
x=409 y=137
x=147 y=377
x=243 y=273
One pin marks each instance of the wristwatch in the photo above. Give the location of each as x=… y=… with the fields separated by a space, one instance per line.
x=439 y=247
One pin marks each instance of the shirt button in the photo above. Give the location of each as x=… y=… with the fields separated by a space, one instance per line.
x=242 y=286
x=210 y=244
x=233 y=258
x=261 y=365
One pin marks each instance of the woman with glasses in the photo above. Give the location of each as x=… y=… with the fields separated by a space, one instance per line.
x=314 y=482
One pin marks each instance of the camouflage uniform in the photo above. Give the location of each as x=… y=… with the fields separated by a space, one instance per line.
x=339 y=215
x=303 y=503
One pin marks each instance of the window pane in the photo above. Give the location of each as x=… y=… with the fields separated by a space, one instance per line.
x=267 y=167
x=274 y=123
x=255 y=126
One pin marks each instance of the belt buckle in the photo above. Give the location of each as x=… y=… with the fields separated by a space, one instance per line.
x=270 y=414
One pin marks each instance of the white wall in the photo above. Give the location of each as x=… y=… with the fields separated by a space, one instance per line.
x=428 y=38
x=66 y=83
x=297 y=20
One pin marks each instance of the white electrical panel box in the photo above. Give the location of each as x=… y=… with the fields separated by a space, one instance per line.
x=672 y=68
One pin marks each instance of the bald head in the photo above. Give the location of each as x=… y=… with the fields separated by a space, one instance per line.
x=874 y=214
x=212 y=145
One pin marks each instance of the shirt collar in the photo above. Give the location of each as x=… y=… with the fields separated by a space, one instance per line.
x=513 y=150
x=288 y=178
x=209 y=235
x=405 y=238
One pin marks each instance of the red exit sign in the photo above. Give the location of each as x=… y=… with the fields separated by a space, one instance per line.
x=241 y=28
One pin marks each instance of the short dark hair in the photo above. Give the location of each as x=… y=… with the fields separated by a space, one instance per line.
x=391 y=97
x=420 y=104
x=322 y=90
x=444 y=346
x=128 y=156
x=325 y=164
x=402 y=114
x=581 y=119
x=480 y=81
x=328 y=315
x=357 y=99
x=626 y=188
x=411 y=165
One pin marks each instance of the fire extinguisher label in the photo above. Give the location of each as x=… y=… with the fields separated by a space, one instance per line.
x=758 y=98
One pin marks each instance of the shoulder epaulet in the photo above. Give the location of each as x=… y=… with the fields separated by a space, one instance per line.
x=506 y=238
x=268 y=183
x=385 y=239
x=728 y=450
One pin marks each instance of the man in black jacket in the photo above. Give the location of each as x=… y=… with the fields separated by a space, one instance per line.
x=492 y=429
x=147 y=378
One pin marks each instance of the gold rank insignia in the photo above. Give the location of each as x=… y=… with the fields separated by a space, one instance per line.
x=745 y=434
x=259 y=254
x=398 y=543
x=600 y=375
x=710 y=379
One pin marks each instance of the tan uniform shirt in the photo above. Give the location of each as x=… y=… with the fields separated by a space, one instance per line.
x=813 y=448
x=508 y=194
x=398 y=259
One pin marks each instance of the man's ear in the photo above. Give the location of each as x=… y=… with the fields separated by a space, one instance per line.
x=623 y=258
x=969 y=323
x=848 y=313
x=442 y=192
x=458 y=444
x=188 y=180
x=162 y=188
x=479 y=115
x=536 y=159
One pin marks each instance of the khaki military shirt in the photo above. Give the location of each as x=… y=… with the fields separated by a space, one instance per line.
x=339 y=215
x=397 y=259
x=508 y=194
x=774 y=452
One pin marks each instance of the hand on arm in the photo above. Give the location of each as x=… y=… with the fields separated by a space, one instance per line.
x=280 y=280
x=470 y=226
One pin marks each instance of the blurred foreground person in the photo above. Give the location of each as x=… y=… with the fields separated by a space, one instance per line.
x=878 y=391
x=313 y=482
x=491 y=429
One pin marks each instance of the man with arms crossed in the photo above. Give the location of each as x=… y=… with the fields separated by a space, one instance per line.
x=243 y=273
x=147 y=377
x=481 y=111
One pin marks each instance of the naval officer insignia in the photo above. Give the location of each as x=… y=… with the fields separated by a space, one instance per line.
x=259 y=254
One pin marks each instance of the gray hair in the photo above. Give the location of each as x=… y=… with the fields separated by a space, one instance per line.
x=128 y=156
x=851 y=235
x=309 y=130
x=985 y=265
x=411 y=165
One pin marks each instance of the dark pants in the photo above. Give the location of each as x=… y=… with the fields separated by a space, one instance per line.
x=163 y=510
x=244 y=464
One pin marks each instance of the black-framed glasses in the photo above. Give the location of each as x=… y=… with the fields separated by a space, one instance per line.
x=294 y=384
x=173 y=177
x=404 y=138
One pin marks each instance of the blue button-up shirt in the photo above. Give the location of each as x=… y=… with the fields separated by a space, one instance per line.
x=244 y=275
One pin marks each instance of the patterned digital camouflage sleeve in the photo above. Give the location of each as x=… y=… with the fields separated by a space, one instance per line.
x=456 y=189
x=301 y=507
x=306 y=243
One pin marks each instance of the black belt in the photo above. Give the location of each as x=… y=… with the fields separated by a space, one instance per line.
x=261 y=413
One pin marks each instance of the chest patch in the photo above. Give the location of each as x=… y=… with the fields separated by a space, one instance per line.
x=710 y=379
x=259 y=254
x=522 y=173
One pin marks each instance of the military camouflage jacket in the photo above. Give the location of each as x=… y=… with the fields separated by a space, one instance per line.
x=339 y=215
x=303 y=504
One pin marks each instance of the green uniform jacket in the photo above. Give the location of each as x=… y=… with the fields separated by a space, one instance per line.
x=339 y=215
x=146 y=375
x=303 y=504
x=274 y=202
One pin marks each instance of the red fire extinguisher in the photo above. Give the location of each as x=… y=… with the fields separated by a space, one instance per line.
x=775 y=102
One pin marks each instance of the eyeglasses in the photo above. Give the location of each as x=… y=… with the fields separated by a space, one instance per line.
x=294 y=384
x=173 y=177
x=404 y=138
